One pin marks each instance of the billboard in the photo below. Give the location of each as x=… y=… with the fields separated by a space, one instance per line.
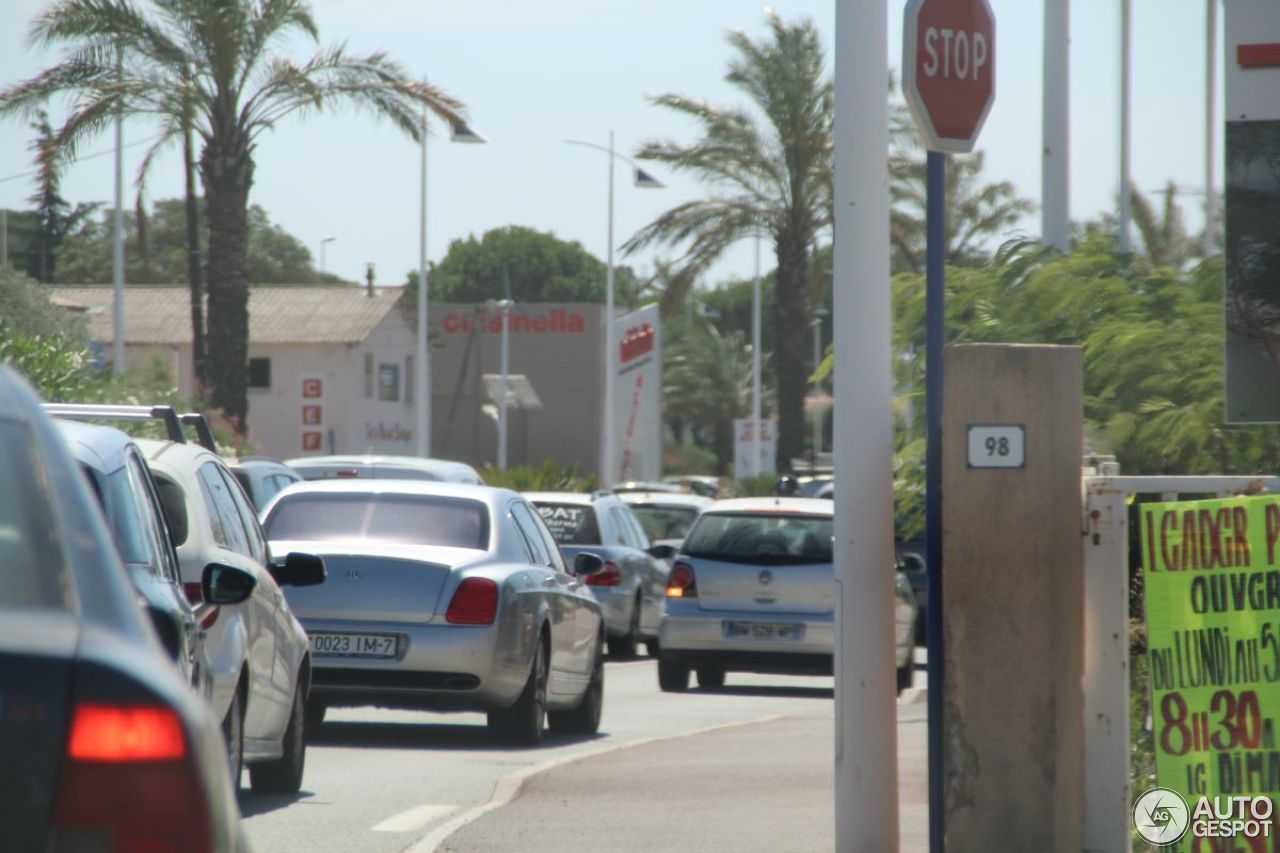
x=637 y=395
x=1252 y=227
x=744 y=444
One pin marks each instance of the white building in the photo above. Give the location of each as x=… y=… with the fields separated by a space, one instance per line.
x=331 y=370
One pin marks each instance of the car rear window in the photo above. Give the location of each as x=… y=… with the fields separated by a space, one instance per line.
x=761 y=538
x=665 y=522
x=571 y=524
x=392 y=519
x=32 y=569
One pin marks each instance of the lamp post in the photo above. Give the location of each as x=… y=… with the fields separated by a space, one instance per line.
x=324 y=242
x=503 y=306
x=755 y=366
x=460 y=132
x=643 y=180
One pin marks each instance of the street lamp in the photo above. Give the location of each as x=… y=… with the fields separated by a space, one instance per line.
x=459 y=131
x=503 y=306
x=643 y=180
x=324 y=242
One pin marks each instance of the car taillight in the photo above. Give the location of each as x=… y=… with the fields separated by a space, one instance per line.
x=610 y=575
x=682 y=583
x=129 y=782
x=474 y=603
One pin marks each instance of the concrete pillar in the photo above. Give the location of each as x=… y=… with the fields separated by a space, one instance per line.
x=1014 y=613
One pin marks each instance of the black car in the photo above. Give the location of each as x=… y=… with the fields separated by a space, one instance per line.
x=103 y=745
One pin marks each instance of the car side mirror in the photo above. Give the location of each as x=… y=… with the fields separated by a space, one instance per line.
x=912 y=563
x=222 y=584
x=662 y=552
x=299 y=569
x=586 y=564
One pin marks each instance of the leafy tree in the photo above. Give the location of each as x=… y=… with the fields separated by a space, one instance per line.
x=55 y=218
x=770 y=178
x=540 y=266
x=975 y=213
x=706 y=384
x=275 y=256
x=214 y=63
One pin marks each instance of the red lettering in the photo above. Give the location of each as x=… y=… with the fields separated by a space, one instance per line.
x=1210 y=545
x=540 y=323
x=576 y=324
x=1240 y=524
x=1152 y=563
x=1190 y=553
x=454 y=324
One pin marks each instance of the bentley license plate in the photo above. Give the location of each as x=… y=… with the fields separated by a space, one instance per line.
x=354 y=645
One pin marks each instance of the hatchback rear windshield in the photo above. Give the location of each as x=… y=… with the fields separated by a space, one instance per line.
x=391 y=519
x=571 y=524
x=665 y=522
x=761 y=538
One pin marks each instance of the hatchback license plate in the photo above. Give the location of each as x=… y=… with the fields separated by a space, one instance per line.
x=354 y=645
x=763 y=631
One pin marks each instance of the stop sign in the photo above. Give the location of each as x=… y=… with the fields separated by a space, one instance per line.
x=948 y=69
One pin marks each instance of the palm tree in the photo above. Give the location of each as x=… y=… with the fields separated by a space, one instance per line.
x=706 y=384
x=772 y=179
x=975 y=212
x=212 y=65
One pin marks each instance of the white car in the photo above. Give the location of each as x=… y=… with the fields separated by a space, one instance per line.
x=666 y=517
x=257 y=651
x=753 y=590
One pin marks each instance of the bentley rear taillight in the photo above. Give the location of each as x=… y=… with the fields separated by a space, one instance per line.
x=474 y=603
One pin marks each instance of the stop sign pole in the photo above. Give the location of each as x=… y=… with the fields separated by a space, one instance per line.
x=948 y=80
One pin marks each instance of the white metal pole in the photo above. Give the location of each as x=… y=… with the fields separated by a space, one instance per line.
x=607 y=474
x=117 y=243
x=423 y=375
x=4 y=239
x=816 y=388
x=755 y=367
x=1126 y=41
x=866 y=763
x=502 y=402
x=1055 y=201
x=1210 y=123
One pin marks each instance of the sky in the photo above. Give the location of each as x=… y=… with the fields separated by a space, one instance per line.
x=533 y=74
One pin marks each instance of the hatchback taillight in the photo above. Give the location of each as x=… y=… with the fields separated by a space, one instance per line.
x=610 y=575
x=682 y=583
x=474 y=603
x=130 y=782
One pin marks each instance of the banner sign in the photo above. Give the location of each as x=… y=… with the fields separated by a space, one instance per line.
x=637 y=396
x=1212 y=583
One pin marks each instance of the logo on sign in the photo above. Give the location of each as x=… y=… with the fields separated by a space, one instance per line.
x=1160 y=816
x=636 y=341
x=312 y=440
x=312 y=389
x=312 y=415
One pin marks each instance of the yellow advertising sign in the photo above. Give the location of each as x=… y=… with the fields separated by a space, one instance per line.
x=1212 y=584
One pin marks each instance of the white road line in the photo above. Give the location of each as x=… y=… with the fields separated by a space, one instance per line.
x=508 y=786
x=414 y=818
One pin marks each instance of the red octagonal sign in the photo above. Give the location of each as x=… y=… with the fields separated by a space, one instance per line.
x=949 y=69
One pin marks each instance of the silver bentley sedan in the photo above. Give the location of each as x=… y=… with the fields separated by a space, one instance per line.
x=443 y=596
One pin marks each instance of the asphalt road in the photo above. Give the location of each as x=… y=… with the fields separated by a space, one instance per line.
x=381 y=780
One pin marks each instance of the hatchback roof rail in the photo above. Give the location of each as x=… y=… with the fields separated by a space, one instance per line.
x=107 y=411
x=204 y=435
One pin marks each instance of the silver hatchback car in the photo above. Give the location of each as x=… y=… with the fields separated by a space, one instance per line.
x=753 y=590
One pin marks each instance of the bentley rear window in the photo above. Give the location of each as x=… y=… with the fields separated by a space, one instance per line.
x=391 y=519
